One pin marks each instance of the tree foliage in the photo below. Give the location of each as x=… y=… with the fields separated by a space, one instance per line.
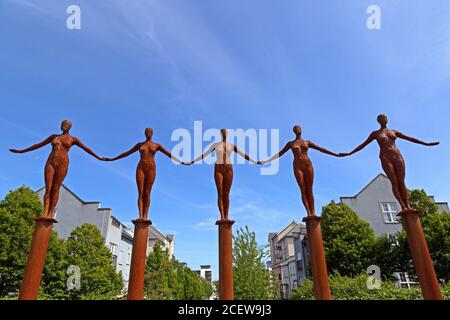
x=436 y=227
x=84 y=248
x=252 y=281
x=348 y=240
x=355 y=288
x=168 y=279
x=17 y=211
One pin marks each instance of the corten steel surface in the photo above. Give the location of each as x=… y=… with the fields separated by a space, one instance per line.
x=138 y=259
x=29 y=289
x=303 y=168
x=57 y=163
x=421 y=255
x=391 y=159
x=317 y=257
x=56 y=169
x=226 y=281
x=146 y=169
x=304 y=174
x=223 y=170
x=394 y=166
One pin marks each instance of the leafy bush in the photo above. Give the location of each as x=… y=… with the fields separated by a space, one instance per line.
x=346 y=288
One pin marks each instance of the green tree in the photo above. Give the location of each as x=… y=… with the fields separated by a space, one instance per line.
x=348 y=240
x=166 y=278
x=355 y=288
x=252 y=280
x=158 y=271
x=86 y=249
x=17 y=211
x=436 y=227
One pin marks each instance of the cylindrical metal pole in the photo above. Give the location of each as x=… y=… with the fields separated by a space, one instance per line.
x=29 y=289
x=138 y=259
x=226 y=281
x=317 y=254
x=421 y=255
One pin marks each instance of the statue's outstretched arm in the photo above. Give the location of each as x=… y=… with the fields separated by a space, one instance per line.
x=279 y=154
x=204 y=155
x=78 y=143
x=243 y=154
x=361 y=146
x=126 y=153
x=414 y=140
x=36 y=146
x=167 y=153
x=312 y=145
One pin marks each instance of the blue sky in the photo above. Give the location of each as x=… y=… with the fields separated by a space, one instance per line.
x=235 y=64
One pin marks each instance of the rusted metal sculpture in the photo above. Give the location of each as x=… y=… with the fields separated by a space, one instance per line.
x=304 y=174
x=223 y=176
x=223 y=170
x=145 y=177
x=394 y=166
x=55 y=171
x=57 y=164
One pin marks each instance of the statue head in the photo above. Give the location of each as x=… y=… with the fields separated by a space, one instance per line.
x=66 y=125
x=148 y=133
x=382 y=120
x=223 y=133
x=297 y=130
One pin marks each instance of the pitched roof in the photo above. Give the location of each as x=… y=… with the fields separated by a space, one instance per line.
x=380 y=175
x=77 y=197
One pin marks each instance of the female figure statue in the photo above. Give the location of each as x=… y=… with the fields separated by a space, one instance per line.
x=303 y=168
x=223 y=171
x=146 y=169
x=57 y=164
x=391 y=159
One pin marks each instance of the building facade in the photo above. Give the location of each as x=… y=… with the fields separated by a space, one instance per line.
x=72 y=212
x=205 y=272
x=376 y=204
x=289 y=257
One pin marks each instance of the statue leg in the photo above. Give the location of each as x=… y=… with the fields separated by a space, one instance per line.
x=227 y=182
x=218 y=178
x=301 y=183
x=49 y=173
x=58 y=179
x=389 y=169
x=140 y=179
x=150 y=178
x=309 y=182
x=401 y=173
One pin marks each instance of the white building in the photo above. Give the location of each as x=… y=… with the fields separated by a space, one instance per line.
x=72 y=212
x=289 y=257
x=205 y=272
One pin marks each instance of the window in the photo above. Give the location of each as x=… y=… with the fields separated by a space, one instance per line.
x=389 y=210
x=128 y=258
x=113 y=247
x=300 y=265
x=208 y=276
x=114 y=260
x=404 y=280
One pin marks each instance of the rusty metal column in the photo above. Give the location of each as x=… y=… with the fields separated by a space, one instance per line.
x=421 y=255
x=138 y=259
x=31 y=282
x=226 y=281
x=317 y=254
